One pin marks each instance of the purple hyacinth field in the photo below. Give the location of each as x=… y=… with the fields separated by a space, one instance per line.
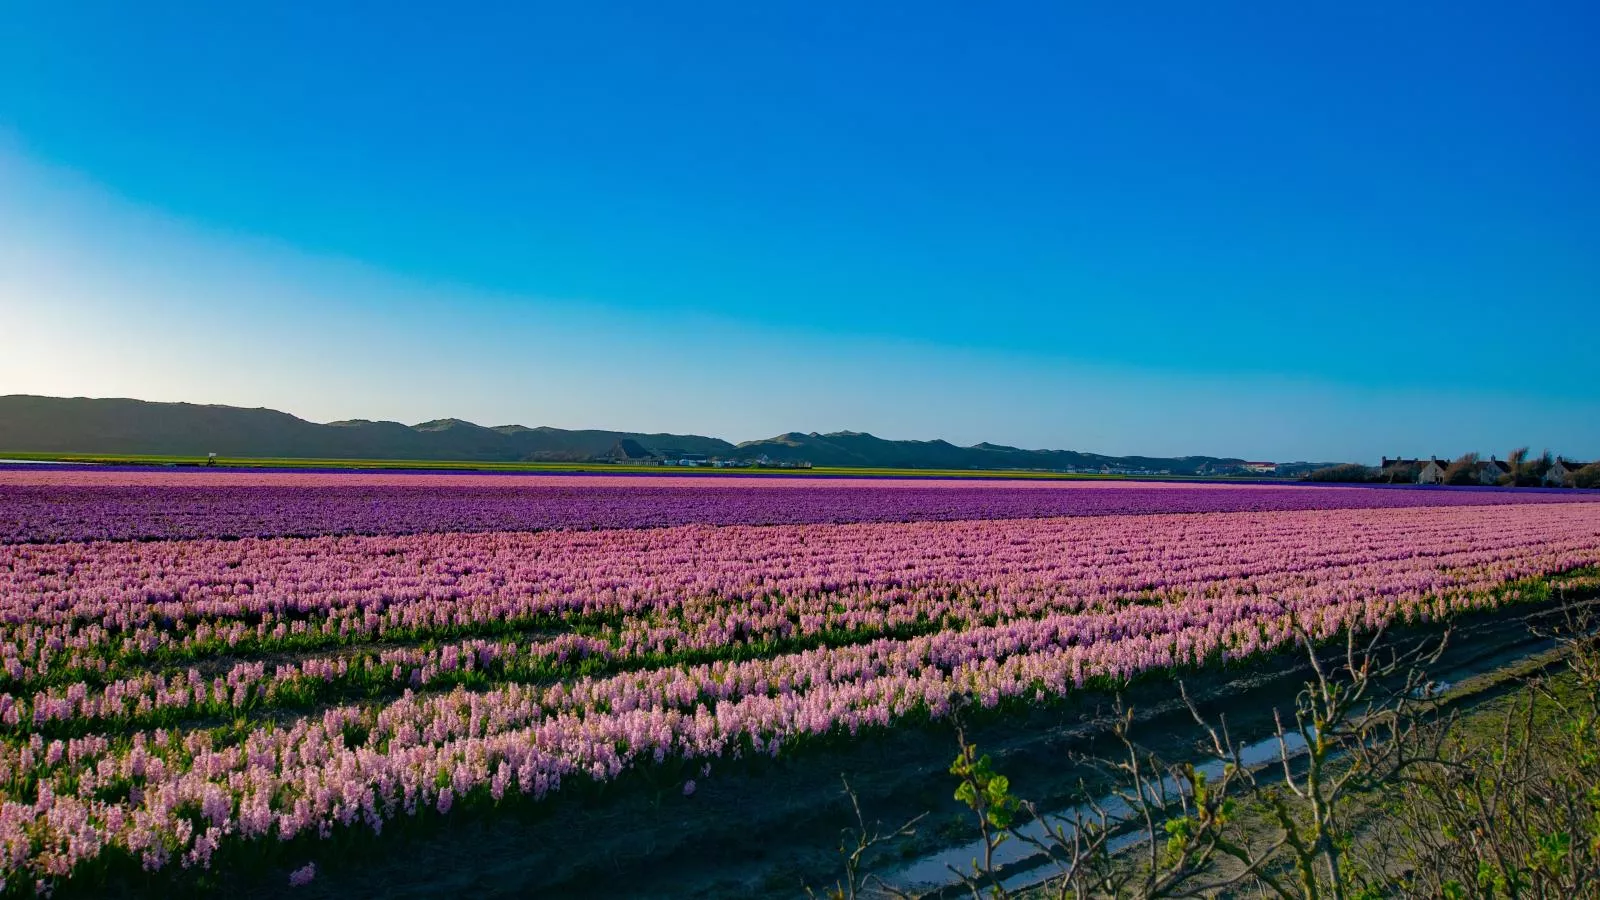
x=203 y=674
x=42 y=506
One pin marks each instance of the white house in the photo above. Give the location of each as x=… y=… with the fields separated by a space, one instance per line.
x=1560 y=473
x=1400 y=469
x=1492 y=471
x=1432 y=472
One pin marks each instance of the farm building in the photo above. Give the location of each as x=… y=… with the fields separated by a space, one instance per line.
x=1492 y=471
x=1560 y=473
x=1417 y=471
x=1432 y=472
x=1400 y=469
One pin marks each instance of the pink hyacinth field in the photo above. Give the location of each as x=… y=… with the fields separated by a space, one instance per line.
x=213 y=680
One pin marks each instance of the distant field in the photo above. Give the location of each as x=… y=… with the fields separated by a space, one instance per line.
x=53 y=503
x=267 y=462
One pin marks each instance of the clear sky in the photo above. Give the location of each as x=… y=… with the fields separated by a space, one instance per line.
x=1289 y=231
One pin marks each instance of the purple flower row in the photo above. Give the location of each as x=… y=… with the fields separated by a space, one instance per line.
x=76 y=505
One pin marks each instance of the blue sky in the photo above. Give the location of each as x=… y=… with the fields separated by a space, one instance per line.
x=1236 y=229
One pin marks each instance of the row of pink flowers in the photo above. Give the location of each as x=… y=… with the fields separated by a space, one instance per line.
x=247 y=685
x=101 y=607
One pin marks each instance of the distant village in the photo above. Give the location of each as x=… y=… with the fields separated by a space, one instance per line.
x=1219 y=469
x=1557 y=472
x=631 y=452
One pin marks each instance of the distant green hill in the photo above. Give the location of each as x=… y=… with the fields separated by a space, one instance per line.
x=81 y=425
x=854 y=448
x=30 y=424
